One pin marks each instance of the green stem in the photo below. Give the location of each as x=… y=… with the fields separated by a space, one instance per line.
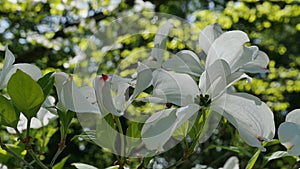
x=119 y=126
x=4 y=147
x=60 y=149
x=252 y=161
x=37 y=160
x=199 y=126
x=28 y=127
x=30 y=151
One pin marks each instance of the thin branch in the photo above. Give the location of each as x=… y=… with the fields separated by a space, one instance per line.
x=4 y=147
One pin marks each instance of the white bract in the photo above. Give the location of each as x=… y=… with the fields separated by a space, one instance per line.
x=231 y=163
x=227 y=60
x=252 y=117
x=289 y=132
x=71 y=97
x=229 y=46
x=99 y=98
x=9 y=68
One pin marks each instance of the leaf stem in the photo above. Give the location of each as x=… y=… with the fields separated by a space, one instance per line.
x=29 y=149
x=199 y=127
x=60 y=149
x=4 y=147
x=28 y=127
x=36 y=159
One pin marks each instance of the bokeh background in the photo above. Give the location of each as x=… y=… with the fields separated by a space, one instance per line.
x=53 y=34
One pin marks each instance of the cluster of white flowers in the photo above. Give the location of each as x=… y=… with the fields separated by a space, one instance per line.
x=227 y=61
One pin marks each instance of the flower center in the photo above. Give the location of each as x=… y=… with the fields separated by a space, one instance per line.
x=203 y=100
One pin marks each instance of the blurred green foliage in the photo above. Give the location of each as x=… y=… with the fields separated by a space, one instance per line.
x=51 y=33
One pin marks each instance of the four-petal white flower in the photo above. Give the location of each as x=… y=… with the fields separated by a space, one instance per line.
x=227 y=60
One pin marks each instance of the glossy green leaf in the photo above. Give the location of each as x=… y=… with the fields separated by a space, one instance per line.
x=106 y=135
x=8 y=115
x=65 y=119
x=60 y=165
x=252 y=161
x=46 y=83
x=277 y=154
x=26 y=94
x=113 y=167
x=134 y=130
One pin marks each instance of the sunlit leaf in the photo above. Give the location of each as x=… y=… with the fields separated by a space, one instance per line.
x=278 y=154
x=46 y=83
x=252 y=161
x=60 y=165
x=8 y=115
x=25 y=93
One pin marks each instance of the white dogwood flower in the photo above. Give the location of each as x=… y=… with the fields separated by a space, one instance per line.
x=71 y=97
x=9 y=68
x=289 y=132
x=227 y=60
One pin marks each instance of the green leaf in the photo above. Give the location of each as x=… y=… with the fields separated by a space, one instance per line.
x=89 y=136
x=113 y=167
x=134 y=134
x=83 y=166
x=278 y=154
x=65 y=119
x=8 y=115
x=61 y=164
x=25 y=93
x=46 y=83
x=106 y=135
x=134 y=130
x=181 y=131
x=252 y=161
